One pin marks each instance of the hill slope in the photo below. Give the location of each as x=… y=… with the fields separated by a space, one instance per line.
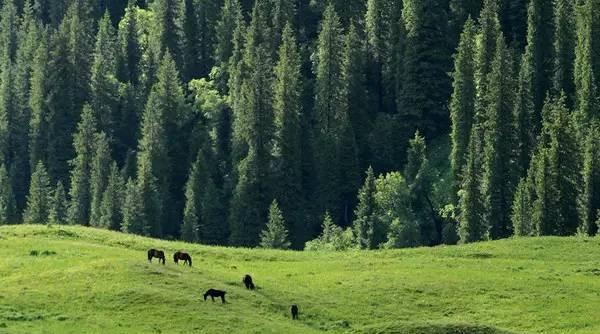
x=100 y=282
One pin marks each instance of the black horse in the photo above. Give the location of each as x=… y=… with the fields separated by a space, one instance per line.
x=248 y=282
x=294 y=310
x=185 y=257
x=212 y=293
x=160 y=255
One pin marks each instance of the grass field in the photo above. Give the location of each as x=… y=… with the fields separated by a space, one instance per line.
x=84 y=280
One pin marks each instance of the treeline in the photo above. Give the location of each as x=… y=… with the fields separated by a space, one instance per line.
x=206 y=119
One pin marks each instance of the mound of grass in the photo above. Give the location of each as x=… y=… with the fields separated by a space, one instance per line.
x=98 y=281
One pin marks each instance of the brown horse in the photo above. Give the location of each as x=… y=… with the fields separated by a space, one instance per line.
x=160 y=255
x=185 y=257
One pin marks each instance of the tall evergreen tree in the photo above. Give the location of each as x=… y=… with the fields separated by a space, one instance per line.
x=330 y=102
x=129 y=49
x=38 y=200
x=366 y=224
x=498 y=177
x=275 y=234
x=80 y=192
x=38 y=123
x=229 y=21
x=133 y=218
x=287 y=148
x=521 y=208
x=564 y=46
x=252 y=191
x=426 y=87
x=104 y=83
x=462 y=102
x=589 y=197
x=378 y=23
x=169 y=29
x=8 y=207
x=99 y=174
x=58 y=205
x=111 y=215
x=472 y=224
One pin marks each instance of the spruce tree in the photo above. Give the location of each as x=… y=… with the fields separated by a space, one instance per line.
x=80 y=192
x=58 y=205
x=38 y=200
x=254 y=126
x=378 y=29
x=104 y=83
x=521 y=208
x=283 y=13
x=230 y=19
x=129 y=49
x=194 y=190
x=564 y=46
x=462 y=102
x=169 y=31
x=472 y=226
x=99 y=174
x=8 y=31
x=133 y=216
x=366 y=225
x=275 y=235
x=498 y=177
x=589 y=196
x=426 y=87
x=111 y=214
x=38 y=122
x=8 y=208
x=287 y=148
x=330 y=101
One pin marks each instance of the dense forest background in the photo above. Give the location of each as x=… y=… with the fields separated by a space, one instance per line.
x=353 y=123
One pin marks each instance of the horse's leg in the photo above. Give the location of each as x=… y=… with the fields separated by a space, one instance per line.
x=213 y=298
x=223 y=299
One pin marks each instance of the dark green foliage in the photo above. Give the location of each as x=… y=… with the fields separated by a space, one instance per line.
x=521 y=209
x=426 y=86
x=99 y=174
x=8 y=207
x=589 y=197
x=275 y=235
x=129 y=52
x=58 y=205
x=111 y=215
x=471 y=218
x=230 y=20
x=498 y=176
x=38 y=200
x=132 y=209
x=366 y=223
x=169 y=37
x=80 y=191
x=564 y=46
x=462 y=102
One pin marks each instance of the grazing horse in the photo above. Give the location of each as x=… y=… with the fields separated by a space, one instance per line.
x=185 y=257
x=212 y=293
x=160 y=255
x=294 y=310
x=248 y=282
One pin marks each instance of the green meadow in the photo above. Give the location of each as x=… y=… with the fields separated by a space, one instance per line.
x=64 y=279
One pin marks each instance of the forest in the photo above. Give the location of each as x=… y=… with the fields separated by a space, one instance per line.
x=302 y=123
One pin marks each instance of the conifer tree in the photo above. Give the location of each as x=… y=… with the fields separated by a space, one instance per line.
x=99 y=174
x=229 y=21
x=498 y=177
x=589 y=197
x=330 y=102
x=378 y=29
x=366 y=224
x=28 y=41
x=275 y=235
x=8 y=31
x=254 y=126
x=38 y=200
x=283 y=12
x=133 y=216
x=111 y=215
x=8 y=208
x=521 y=208
x=8 y=108
x=58 y=205
x=564 y=46
x=462 y=102
x=169 y=30
x=38 y=122
x=80 y=192
x=472 y=226
x=104 y=84
x=194 y=190
x=426 y=87
x=287 y=150
x=354 y=77
x=129 y=49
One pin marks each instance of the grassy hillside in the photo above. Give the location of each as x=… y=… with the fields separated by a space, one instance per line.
x=93 y=281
